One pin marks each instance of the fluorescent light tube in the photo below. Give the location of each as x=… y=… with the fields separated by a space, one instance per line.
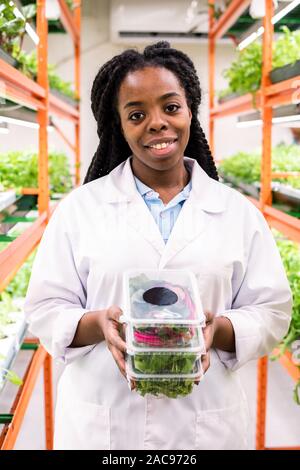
x=286 y=118
x=32 y=34
x=251 y=38
x=244 y=124
x=285 y=11
x=28 y=28
x=20 y=122
x=275 y=120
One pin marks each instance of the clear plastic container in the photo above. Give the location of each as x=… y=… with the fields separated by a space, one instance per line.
x=166 y=337
x=160 y=363
x=163 y=309
x=163 y=385
x=165 y=296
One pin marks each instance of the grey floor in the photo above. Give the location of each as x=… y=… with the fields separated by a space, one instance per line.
x=283 y=415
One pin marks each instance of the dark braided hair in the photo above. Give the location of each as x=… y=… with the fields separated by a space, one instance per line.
x=113 y=148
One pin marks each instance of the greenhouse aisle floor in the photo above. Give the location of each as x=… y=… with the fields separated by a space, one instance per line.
x=283 y=421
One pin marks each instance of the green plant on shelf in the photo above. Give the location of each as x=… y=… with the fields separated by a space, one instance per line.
x=29 y=66
x=12 y=28
x=27 y=174
x=290 y=255
x=246 y=166
x=7 y=306
x=244 y=74
x=17 y=288
x=287 y=48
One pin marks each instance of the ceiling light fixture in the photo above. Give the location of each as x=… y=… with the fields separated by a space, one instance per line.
x=20 y=122
x=285 y=11
x=275 y=120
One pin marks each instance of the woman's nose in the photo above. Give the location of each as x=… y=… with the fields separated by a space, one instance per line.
x=157 y=123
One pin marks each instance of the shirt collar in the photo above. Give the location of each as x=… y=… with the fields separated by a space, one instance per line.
x=210 y=195
x=143 y=189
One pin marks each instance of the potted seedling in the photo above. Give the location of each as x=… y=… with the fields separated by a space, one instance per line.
x=13 y=29
x=286 y=60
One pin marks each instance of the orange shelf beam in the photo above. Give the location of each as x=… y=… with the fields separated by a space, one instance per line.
x=12 y=258
x=279 y=94
x=62 y=109
x=288 y=225
x=17 y=87
x=239 y=105
x=12 y=93
x=63 y=136
x=68 y=21
x=284 y=86
x=10 y=432
x=287 y=362
x=13 y=76
x=229 y=17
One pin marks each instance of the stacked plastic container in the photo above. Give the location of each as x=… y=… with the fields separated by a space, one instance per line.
x=164 y=334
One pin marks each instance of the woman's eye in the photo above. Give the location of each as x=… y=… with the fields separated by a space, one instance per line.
x=171 y=108
x=135 y=116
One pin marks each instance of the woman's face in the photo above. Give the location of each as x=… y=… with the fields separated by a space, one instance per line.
x=155 y=117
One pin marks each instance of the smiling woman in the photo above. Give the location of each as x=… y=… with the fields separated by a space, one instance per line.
x=146 y=105
x=156 y=127
x=152 y=201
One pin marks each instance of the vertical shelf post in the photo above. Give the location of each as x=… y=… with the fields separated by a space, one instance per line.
x=261 y=400
x=43 y=178
x=267 y=111
x=48 y=401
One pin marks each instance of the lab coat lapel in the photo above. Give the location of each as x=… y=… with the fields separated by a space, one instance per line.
x=191 y=222
x=121 y=188
x=204 y=200
x=141 y=219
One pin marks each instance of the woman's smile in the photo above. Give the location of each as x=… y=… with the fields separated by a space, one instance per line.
x=155 y=121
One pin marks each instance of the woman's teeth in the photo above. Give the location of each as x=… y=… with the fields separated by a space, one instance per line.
x=161 y=146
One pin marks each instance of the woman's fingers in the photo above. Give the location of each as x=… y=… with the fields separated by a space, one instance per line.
x=205 y=361
x=120 y=360
x=115 y=340
x=209 y=330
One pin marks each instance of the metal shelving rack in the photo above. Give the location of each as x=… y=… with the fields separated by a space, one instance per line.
x=269 y=96
x=20 y=89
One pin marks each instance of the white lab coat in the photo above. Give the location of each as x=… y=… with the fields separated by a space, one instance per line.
x=104 y=228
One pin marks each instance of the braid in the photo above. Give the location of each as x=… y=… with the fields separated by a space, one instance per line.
x=113 y=148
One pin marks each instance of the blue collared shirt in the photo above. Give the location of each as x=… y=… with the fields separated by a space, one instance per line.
x=164 y=215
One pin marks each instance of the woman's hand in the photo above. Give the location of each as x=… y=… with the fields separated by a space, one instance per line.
x=114 y=333
x=208 y=333
x=219 y=334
